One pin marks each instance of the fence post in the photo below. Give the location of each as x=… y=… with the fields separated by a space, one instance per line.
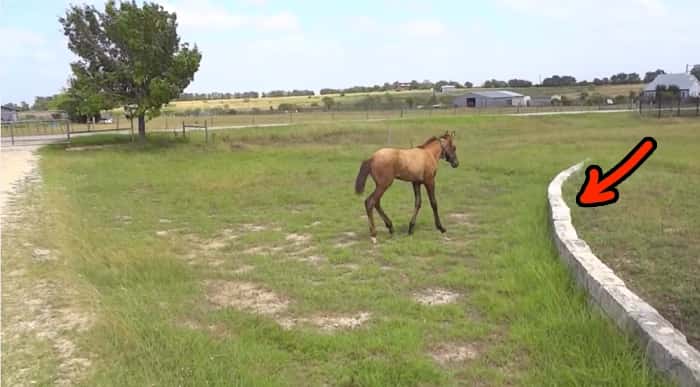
x=132 y=128
x=640 y=105
x=68 y=130
x=679 y=106
x=206 y=133
x=12 y=134
x=183 y=129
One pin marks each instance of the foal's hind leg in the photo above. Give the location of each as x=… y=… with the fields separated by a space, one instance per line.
x=385 y=218
x=370 y=203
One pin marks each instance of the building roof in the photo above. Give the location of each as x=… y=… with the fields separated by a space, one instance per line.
x=8 y=107
x=495 y=94
x=684 y=81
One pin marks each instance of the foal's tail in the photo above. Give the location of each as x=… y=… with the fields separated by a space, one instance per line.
x=362 y=176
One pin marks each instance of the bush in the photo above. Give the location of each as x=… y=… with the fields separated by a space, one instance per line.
x=620 y=100
x=287 y=107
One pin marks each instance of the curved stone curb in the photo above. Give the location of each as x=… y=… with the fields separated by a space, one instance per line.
x=665 y=347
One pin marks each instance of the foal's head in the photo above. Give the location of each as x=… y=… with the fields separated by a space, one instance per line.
x=449 y=150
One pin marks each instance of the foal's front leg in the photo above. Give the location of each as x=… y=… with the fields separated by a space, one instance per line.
x=430 y=187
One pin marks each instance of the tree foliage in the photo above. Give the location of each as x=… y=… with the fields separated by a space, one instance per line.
x=519 y=83
x=130 y=55
x=495 y=83
x=556 y=80
x=696 y=71
x=651 y=75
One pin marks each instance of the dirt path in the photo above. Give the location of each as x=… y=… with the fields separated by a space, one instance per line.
x=15 y=164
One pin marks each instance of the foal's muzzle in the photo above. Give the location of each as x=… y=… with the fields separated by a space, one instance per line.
x=454 y=163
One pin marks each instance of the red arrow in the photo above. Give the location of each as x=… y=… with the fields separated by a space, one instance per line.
x=597 y=191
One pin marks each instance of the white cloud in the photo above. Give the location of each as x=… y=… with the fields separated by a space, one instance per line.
x=589 y=11
x=205 y=15
x=424 y=28
x=20 y=43
x=283 y=21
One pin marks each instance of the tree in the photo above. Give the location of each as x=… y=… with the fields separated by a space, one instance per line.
x=130 y=55
x=468 y=85
x=519 y=83
x=328 y=102
x=410 y=102
x=495 y=83
x=651 y=75
x=556 y=80
x=696 y=71
x=42 y=103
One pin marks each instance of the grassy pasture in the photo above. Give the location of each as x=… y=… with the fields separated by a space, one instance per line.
x=151 y=238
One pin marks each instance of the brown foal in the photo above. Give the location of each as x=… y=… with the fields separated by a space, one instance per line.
x=417 y=165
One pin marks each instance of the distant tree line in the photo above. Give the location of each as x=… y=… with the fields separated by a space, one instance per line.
x=293 y=93
x=218 y=95
x=63 y=101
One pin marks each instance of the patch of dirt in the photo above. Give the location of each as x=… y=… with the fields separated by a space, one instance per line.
x=328 y=322
x=435 y=296
x=461 y=218
x=253 y=227
x=346 y=239
x=165 y=221
x=243 y=269
x=313 y=259
x=125 y=219
x=244 y=296
x=450 y=353
x=314 y=224
x=42 y=255
x=214 y=244
x=35 y=308
x=215 y=329
x=37 y=316
x=349 y=266
x=333 y=323
x=263 y=250
x=298 y=239
x=162 y=233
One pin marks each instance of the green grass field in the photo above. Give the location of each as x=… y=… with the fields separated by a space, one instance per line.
x=248 y=262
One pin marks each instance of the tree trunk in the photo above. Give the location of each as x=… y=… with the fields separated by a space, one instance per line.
x=142 y=126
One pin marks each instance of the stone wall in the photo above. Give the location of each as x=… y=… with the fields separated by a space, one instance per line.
x=665 y=347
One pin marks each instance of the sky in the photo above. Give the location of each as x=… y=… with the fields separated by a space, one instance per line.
x=264 y=45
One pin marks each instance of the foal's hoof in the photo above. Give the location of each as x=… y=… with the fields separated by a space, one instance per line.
x=374 y=240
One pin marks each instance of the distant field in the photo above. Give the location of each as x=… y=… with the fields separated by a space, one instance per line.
x=266 y=103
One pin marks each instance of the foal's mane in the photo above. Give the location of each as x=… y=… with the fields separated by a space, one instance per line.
x=429 y=141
